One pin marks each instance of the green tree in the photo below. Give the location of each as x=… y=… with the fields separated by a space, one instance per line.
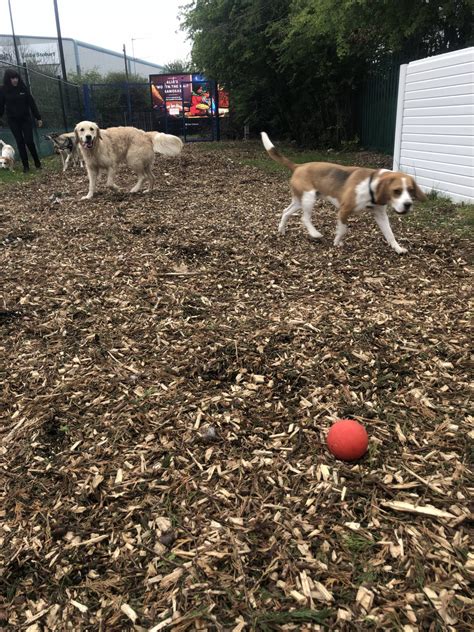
x=293 y=66
x=178 y=66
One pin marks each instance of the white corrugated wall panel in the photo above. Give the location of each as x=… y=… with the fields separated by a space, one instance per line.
x=435 y=123
x=440 y=157
x=441 y=91
x=446 y=130
x=443 y=167
x=441 y=119
x=452 y=100
x=443 y=71
x=441 y=61
x=440 y=110
x=463 y=151
x=414 y=84
x=422 y=138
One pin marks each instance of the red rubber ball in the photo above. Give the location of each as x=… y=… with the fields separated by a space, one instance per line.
x=347 y=440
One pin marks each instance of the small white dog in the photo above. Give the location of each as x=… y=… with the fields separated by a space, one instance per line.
x=7 y=159
x=106 y=149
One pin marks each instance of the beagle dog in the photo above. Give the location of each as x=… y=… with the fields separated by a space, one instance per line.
x=349 y=189
x=7 y=157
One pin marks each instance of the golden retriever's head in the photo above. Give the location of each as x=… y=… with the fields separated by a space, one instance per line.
x=87 y=134
x=399 y=190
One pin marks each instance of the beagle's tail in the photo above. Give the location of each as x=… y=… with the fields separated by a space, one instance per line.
x=166 y=144
x=275 y=154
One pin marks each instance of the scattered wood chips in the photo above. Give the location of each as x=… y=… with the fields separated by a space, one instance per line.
x=170 y=368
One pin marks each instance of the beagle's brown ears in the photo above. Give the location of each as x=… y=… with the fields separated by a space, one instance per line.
x=382 y=194
x=419 y=194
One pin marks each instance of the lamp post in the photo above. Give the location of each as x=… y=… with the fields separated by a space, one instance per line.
x=60 y=41
x=17 y=54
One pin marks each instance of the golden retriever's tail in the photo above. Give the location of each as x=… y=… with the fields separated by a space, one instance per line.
x=166 y=144
x=275 y=154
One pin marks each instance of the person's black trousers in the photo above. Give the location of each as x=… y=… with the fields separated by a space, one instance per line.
x=22 y=130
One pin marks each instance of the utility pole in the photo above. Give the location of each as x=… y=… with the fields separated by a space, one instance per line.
x=125 y=60
x=133 y=55
x=129 y=101
x=60 y=41
x=17 y=54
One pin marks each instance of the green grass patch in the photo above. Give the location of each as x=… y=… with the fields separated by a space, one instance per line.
x=253 y=154
x=265 y=163
x=263 y=620
x=357 y=544
x=440 y=212
x=50 y=164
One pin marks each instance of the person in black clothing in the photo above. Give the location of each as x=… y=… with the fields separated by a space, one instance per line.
x=20 y=106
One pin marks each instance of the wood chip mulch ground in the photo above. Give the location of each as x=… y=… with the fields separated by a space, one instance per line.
x=170 y=368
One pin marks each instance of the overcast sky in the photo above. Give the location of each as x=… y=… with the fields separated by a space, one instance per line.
x=153 y=24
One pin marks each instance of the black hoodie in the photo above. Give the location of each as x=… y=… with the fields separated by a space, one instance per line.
x=18 y=102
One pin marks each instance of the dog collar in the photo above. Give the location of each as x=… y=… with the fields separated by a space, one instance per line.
x=372 y=196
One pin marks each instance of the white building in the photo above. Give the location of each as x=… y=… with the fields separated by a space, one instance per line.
x=79 y=56
x=434 y=138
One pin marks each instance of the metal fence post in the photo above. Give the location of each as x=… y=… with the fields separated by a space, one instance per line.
x=129 y=103
x=87 y=101
x=61 y=98
x=215 y=114
x=399 y=120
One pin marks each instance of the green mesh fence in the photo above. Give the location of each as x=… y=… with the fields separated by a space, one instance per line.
x=377 y=106
x=114 y=104
x=59 y=102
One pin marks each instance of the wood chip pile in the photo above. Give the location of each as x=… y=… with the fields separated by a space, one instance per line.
x=170 y=368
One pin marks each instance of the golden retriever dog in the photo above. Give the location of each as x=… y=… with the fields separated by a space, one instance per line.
x=106 y=149
x=349 y=189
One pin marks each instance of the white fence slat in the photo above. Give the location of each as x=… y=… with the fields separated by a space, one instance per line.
x=440 y=110
x=451 y=140
x=434 y=138
x=441 y=61
x=439 y=148
x=439 y=176
x=443 y=167
x=442 y=91
x=446 y=188
x=441 y=157
x=450 y=80
x=443 y=119
x=444 y=71
x=448 y=130
x=449 y=101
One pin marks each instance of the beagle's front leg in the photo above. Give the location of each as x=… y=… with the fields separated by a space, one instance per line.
x=341 y=227
x=381 y=217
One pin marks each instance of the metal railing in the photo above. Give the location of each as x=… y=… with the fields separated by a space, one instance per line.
x=111 y=104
